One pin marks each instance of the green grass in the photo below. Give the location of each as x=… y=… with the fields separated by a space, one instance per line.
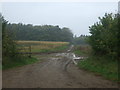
x=50 y=50
x=61 y=48
x=82 y=50
x=0 y=66
x=80 y=53
x=101 y=66
x=16 y=62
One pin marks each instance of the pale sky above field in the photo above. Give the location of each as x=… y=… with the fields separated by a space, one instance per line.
x=77 y=16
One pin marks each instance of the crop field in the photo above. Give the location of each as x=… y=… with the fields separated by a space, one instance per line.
x=41 y=46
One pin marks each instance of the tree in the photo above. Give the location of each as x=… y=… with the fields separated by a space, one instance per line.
x=104 y=33
x=8 y=45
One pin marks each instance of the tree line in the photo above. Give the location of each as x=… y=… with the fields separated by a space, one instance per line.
x=81 y=40
x=40 y=32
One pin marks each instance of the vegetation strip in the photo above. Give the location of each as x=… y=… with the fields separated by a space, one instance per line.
x=107 y=69
x=19 y=62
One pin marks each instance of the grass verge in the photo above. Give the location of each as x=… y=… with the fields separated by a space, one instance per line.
x=80 y=53
x=101 y=66
x=82 y=50
x=16 y=62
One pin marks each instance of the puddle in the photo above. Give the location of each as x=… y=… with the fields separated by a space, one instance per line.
x=72 y=57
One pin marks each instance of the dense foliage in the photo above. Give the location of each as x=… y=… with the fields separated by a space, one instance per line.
x=40 y=33
x=104 y=35
x=8 y=45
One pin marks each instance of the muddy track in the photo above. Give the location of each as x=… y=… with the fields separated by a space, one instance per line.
x=53 y=71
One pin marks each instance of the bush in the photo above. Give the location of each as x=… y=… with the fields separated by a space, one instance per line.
x=104 y=36
x=8 y=45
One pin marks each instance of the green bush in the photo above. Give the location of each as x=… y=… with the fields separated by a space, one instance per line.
x=104 y=36
x=8 y=45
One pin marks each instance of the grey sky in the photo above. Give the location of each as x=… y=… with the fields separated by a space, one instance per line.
x=76 y=16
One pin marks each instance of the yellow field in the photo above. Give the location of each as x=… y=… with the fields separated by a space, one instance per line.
x=39 y=46
x=41 y=42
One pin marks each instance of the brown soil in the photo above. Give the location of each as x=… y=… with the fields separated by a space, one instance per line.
x=53 y=71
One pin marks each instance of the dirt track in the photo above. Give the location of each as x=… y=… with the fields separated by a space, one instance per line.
x=50 y=72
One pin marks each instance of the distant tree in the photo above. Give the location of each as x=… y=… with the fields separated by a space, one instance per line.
x=67 y=34
x=81 y=40
x=40 y=33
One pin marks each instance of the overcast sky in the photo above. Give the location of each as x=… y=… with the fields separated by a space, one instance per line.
x=77 y=16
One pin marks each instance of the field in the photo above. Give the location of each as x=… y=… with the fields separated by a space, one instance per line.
x=41 y=46
x=32 y=47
